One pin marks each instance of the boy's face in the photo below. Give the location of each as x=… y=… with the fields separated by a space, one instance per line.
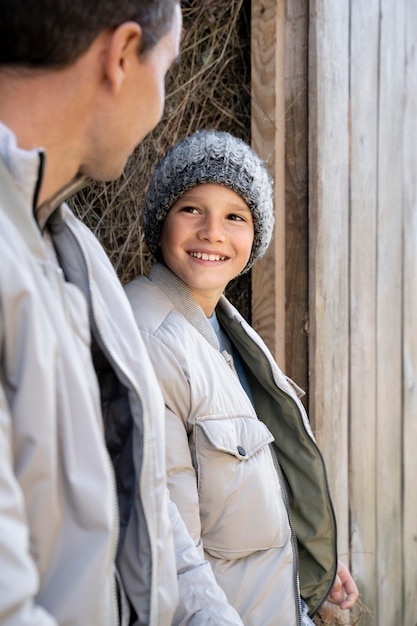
x=206 y=240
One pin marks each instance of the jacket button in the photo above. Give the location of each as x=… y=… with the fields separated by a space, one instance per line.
x=241 y=451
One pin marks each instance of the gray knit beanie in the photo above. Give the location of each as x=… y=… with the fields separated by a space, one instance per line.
x=210 y=156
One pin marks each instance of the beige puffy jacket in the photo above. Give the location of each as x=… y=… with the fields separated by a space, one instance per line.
x=222 y=469
x=59 y=529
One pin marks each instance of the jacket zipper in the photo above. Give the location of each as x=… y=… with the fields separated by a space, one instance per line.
x=293 y=536
x=313 y=610
x=118 y=366
x=230 y=362
x=115 y=500
x=58 y=279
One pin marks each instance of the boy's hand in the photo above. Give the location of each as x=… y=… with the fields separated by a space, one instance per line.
x=344 y=592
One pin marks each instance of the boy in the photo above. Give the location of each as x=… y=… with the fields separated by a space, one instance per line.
x=243 y=466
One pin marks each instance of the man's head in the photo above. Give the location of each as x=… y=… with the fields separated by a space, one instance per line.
x=131 y=99
x=94 y=73
x=50 y=34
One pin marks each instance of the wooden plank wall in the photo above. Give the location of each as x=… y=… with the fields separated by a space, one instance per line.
x=296 y=191
x=389 y=556
x=268 y=139
x=363 y=282
x=280 y=135
x=409 y=186
x=348 y=226
x=363 y=304
x=329 y=247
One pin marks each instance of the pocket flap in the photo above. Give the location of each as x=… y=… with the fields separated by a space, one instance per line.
x=240 y=436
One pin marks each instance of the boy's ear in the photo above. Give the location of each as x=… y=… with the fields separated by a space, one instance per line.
x=122 y=53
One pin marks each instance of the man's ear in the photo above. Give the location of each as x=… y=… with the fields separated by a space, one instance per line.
x=122 y=52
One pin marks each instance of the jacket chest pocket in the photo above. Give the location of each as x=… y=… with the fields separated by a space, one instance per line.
x=241 y=504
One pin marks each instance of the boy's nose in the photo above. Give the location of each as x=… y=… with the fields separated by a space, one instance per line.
x=212 y=230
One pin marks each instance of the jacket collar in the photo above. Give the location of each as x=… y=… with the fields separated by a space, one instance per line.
x=47 y=208
x=26 y=169
x=181 y=297
x=24 y=165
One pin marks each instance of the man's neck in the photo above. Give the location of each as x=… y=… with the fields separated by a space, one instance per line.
x=39 y=108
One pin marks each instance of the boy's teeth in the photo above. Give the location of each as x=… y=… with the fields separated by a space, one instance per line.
x=207 y=257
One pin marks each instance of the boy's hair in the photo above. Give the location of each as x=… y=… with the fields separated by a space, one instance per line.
x=55 y=33
x=210 y=156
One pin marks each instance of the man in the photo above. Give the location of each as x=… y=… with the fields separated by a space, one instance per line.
x=81 y=84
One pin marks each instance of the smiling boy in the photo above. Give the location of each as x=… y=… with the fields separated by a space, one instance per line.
x=243 y=466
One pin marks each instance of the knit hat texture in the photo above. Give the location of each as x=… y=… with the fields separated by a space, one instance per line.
x=210 y=156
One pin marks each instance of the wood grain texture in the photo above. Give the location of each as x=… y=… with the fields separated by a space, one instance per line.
x=268 y=139
x=329 y=244
x=362 y=267
x=364 y=86
x=296 y=193
x=409 y=183
x=389 y=316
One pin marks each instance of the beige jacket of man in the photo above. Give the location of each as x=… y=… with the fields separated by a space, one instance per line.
x=232 y=471
x=59 y=530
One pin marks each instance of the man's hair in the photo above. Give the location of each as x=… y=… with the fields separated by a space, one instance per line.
x=55 y=33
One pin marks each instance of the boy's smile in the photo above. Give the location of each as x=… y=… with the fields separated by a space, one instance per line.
x=208 y=257
x=206 y=240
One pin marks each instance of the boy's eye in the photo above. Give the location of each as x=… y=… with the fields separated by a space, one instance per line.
x=189 y=209
x=235 y=217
